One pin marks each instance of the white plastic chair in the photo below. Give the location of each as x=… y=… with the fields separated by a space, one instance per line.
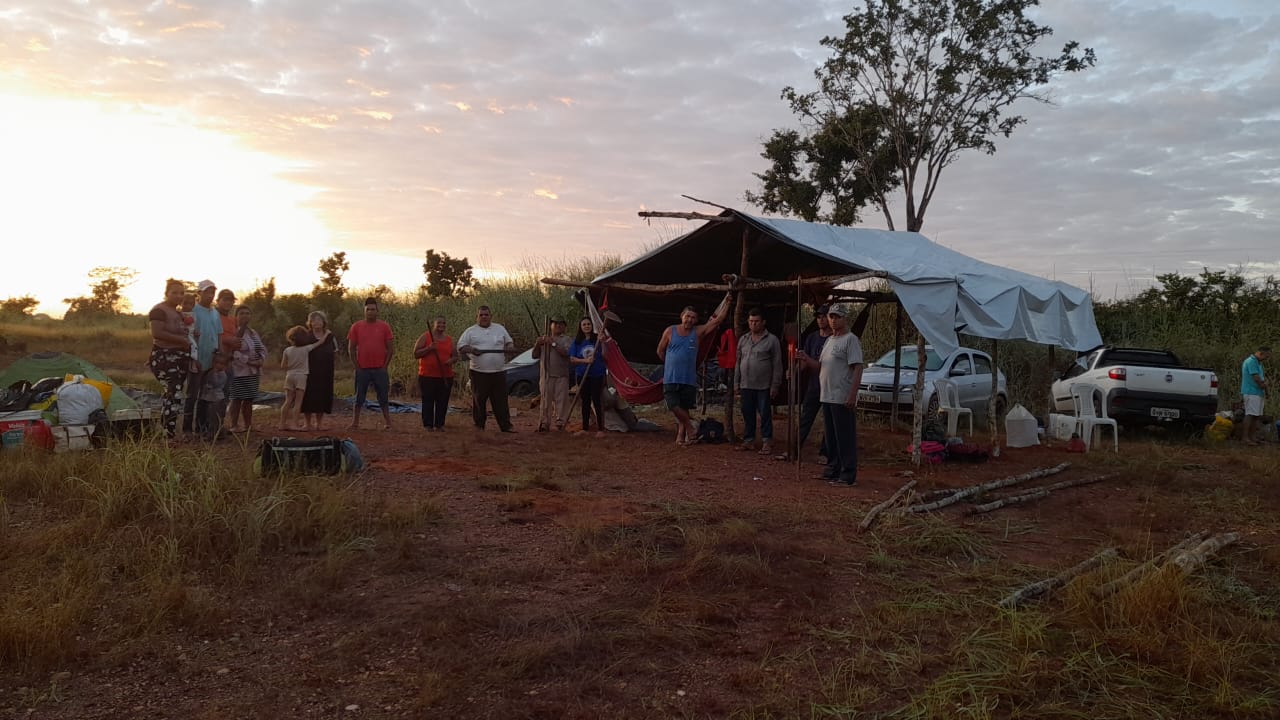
x=949 y=403
x=1087 y=419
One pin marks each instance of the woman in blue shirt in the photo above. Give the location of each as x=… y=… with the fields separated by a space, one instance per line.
x=589 y=372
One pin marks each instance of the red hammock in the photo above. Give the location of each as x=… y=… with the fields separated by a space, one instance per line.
x=631 y=385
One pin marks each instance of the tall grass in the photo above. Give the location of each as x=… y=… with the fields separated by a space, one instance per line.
x=137 y=529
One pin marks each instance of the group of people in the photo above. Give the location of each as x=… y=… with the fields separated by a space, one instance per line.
x=209 y=359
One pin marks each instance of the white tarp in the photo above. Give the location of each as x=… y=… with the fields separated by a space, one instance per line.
x=946 y=292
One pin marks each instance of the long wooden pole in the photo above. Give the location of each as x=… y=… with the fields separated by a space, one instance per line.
x=740 y=297
x=917 y=412
x=992 y=420
x=897 y=362
x=743 y=283
x=797 y=403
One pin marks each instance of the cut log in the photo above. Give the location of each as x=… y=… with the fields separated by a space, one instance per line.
x=1110 y=588
x=1189 y=561
x=685 y=216
x=1036 y=494
x=1036 y=589
x=874 y=512
x=968 y=492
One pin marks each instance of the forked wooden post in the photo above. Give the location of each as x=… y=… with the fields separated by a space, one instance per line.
x=897 y=361
x=992 y=420
x=739 y=298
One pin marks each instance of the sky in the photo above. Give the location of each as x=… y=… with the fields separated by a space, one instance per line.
x=248 y=139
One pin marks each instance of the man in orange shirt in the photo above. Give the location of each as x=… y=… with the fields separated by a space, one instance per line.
x=229 y=341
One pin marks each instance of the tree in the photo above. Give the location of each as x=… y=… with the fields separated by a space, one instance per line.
x=105 y=296
x=447 y=276
x=23 y=306
x=328 y=293
x=910 y=85
x=261 y=299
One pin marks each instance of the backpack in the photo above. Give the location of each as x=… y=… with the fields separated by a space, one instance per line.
x=710 y=431
x=321 y=456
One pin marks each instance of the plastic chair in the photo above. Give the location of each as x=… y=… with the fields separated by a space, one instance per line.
x=1087 y=419
x=949 y=403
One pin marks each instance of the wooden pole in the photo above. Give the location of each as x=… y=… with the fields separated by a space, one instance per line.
x=743 y=283
x=993 y=422
x=685 y=216
x=897 y=362
x=740 y=297
x=917 y=412
x=797 y=403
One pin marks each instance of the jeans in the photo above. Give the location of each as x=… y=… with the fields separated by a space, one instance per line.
x=756 y=402
x=842 y=440
x=377 y=377
x=591 y=392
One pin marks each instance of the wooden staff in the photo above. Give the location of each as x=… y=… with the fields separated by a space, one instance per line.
x=796 y=403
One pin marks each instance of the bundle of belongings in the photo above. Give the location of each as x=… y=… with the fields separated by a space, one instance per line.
x=59 y=402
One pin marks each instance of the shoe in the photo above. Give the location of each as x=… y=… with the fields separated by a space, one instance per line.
x=542 y=428
x=841 y=483
x=508 y=430
x=766 y=448
x=746 y=446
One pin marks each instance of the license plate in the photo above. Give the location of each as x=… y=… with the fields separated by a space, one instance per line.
x=866 y=396
x=1166 y=413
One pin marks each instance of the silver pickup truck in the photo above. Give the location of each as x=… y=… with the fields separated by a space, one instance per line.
x=1142 y=387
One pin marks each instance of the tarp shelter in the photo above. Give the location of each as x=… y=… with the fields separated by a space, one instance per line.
x=58 y=364
x=943 y=291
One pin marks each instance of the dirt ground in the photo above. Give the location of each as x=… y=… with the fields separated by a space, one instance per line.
x=545 y=587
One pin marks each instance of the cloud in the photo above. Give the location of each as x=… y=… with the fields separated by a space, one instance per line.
x=423 y=119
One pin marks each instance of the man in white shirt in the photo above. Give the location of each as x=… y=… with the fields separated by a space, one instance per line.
x=487 y=347
x=839 y=374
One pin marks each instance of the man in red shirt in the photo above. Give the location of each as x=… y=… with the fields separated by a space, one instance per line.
x=369 y=345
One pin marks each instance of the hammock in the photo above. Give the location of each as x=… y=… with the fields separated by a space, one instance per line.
x=631 y=385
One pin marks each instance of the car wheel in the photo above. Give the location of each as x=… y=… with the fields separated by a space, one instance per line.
x=521 y=388
x=932 y=409
x=1002 y=405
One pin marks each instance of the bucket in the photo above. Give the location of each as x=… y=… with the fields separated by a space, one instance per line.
x=1021 y=428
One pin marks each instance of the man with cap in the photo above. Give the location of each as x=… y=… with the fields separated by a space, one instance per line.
x=553 y=352
x=812 y=346
x=839 y=374
x=207 y=330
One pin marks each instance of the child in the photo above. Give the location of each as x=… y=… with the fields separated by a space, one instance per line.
x=296 y=368
x=213 y=397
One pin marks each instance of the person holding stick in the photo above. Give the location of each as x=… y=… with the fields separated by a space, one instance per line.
x=436 y=356
x=488 y=346
x=678 y=350
x=554 y=352
x=590 y=373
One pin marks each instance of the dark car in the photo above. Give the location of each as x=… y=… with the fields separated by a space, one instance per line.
x=522 y=375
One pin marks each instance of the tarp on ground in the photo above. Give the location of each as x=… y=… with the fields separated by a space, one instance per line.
x=945 y=292
x=38 y=366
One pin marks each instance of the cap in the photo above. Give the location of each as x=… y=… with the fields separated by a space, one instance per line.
x=205 y=285
x=838 y=309
x=822 y=309
x=559 y=319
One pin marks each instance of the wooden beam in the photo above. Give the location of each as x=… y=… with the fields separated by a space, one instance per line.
x=685 y=216
x=718 y=287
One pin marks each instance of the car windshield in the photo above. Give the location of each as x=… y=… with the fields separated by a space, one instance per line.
x=524 y=358
x=933 y=361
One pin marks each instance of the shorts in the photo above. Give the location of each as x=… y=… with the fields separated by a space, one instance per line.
x=679 y=395
x=1253 y=405
x=294 y=380
x=380 y=380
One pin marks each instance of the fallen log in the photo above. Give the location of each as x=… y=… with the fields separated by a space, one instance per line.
x=1108 y=589
x=1036 y=589
x=985 y=487
x=874 y=512
x=1036 y=494
x=1189 y=561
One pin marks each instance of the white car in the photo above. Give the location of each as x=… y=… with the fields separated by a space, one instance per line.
x=969 y=369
